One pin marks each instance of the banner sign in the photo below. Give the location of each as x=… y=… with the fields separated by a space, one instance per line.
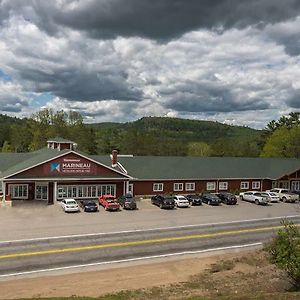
x=71 y=166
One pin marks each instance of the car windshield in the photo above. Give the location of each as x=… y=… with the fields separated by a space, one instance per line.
x=181 y=198
x=273 y=194
x=110 y=200
x=71 y=202
x=264 y=194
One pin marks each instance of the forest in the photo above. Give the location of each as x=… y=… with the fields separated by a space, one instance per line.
x=152 y=136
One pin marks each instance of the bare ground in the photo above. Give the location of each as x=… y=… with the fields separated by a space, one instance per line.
x=245 y=275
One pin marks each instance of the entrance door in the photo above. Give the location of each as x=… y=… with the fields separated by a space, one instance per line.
x=41 y=191
x=130 y=188
x=295 y=186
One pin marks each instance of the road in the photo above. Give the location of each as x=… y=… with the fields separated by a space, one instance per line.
x=28 y=256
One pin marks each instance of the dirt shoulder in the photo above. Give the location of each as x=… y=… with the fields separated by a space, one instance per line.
x=242 y=275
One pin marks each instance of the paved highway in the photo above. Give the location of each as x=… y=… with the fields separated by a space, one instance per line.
x=29 y=256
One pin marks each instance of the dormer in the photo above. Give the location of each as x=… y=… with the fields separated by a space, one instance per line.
x=61 y=144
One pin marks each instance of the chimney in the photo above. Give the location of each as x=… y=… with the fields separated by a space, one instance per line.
x=114 y=157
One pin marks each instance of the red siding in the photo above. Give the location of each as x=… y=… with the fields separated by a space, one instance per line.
x=48 y=169
x=146 y=187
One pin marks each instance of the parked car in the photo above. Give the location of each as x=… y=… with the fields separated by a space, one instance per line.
x=210 y=199
x=163 y=201
x=181 y=201
x=285 y=195
x=109 y=202
x=127 y=201
x=227 y=198
x=88 y=205
x=70 y=205
x=256 y=197
x=194 y=199
x=273 y=196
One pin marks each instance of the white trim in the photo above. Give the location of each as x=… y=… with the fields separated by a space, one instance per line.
x=178 y=189
x=41 y=184
x=63 y=154
x=255 y=185
x=213 y=184
x=190 y=189
x=122 y=167
x=158 y=190
x=18 y=197
x=246 y=183
x=3 y=191
x=225 y=187
x=65 y=179
x=199 y=179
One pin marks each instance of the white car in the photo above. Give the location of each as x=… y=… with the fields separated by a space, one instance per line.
x=285 y=195
x=181 y=201
x=70 y=205
x=273 y=196
x=256 y=197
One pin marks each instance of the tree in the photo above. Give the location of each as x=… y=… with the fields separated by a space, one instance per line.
x=284 y=251
x=283 y=142
x=198 y=149
x=6 y=147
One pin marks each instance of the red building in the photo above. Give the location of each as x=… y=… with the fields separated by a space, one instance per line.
x=60 y=171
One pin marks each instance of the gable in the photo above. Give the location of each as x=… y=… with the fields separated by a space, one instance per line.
x=69 y=165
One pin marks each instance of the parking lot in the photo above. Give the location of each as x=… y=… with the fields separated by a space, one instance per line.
x=34 y=220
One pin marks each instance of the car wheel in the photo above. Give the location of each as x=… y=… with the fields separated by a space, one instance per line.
x=256 y=202
x=160 y=205
x=283 y=199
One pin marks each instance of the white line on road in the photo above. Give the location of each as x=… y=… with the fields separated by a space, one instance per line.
x=131 y=260
x=143 y=230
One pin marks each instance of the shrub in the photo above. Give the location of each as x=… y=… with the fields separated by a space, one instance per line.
x=284 y=251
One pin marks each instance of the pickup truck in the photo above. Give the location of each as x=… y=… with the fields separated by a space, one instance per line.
x=285 y=195
x=256 y=197
x=109 y=202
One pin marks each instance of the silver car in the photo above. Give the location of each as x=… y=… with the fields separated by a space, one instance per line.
x=256 y=197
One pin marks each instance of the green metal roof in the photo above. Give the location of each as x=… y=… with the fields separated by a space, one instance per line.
x=31 y=159
x=60 y=140
x=170 y=167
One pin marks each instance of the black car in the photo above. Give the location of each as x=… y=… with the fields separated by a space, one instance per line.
x=88 y=205
x=194 y=199
x=227 y=198
x=210 y=199
x=163 y=201
x=127 y=201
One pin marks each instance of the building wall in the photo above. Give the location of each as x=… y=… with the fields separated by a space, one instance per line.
x=146 y=187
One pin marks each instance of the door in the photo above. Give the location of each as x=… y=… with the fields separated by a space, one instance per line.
x=130 y=188
x=41 y=191
x=295 y=186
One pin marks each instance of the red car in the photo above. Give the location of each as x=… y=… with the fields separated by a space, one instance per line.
x=109 y=202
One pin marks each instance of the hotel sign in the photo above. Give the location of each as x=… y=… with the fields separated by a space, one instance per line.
x=71 y=166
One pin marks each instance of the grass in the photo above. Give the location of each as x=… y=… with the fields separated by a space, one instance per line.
x=250 y=277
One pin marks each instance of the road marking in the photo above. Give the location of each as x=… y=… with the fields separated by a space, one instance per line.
x=140 y=242
x=144 y=230
x=133 y=259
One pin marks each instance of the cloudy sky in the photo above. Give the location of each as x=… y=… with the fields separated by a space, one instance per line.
x=234 y=61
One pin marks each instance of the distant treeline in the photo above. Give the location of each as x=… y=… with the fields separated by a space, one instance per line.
x=151 y=136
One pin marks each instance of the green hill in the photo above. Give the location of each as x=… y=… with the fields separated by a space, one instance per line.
x=174 y=136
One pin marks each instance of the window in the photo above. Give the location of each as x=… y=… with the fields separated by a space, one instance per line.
x=223 y=185
x=190 y=186
x=255 y=185
x=85 y=191
x=244 y=185
x=210 y=186
x=178 y=186
x=19 y=191
x=158 y=187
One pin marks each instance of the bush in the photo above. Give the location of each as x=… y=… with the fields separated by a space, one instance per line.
x=284 y=251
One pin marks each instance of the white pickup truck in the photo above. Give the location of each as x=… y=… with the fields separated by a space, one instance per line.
x=285 y=195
